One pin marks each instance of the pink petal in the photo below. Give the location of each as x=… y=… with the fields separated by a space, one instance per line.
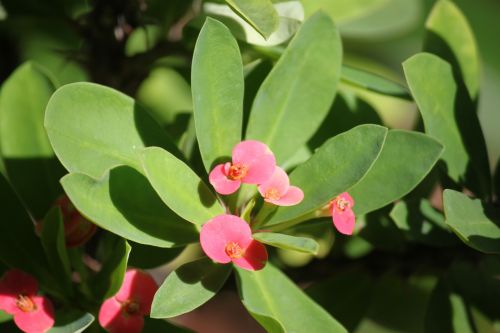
x=221 y=183
x=138 y=286
x=279 y=182
x=39 y=320
x=258 y=159
x=219 y=231
x=347 y=197
x=293 y=196
x=114 y=320
x=344 y=221
x=255 y=257
x=12 y=284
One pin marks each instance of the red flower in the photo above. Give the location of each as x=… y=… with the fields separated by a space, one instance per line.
x=227 y=238
x=124 y=312
x=342 y=214
x=18 y=297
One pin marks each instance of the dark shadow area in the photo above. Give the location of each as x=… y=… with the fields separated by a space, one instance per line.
x=211 y=275
x=496 y=183
x=152 y=134
x=477 y=176
x=425 y=230
x=253 y=81
x=207 y=197
x=343 y=116
x=134 y=197
x=148 y=257
x=36 y=180
x=382 y=233
x=178 y=126
x=345 y=295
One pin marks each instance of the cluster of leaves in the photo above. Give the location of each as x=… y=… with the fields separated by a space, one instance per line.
x=259 y=70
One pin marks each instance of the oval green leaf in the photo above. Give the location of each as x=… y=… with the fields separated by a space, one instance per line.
x=179 y=187
x=28 y=157
x=450 y=36
x=280 y=306
x=406 y=158
x=54 y=244
x=301 y=86
x=188 y=287
x=373 y=82
x=449 y=116
x=217 y=87
x=109 y=279
x=124 y=203
x=260 y=14
x=337 y=165
x=475 y=223
x=287 y=242
x=93 y=128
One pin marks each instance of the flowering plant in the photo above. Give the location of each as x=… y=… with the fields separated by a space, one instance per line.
x=257 y=155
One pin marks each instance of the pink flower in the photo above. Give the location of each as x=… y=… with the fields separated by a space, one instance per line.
x=227 y=238
x=125 y=311
x=18 y=296
x=277 y=190
x=252 y=163
x=342 y=214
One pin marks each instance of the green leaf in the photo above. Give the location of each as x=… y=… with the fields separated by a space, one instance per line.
x=450 y=36
x=260 y=14
x=4 y=317
x=148 y=257
x=405 y=160
x=300 y=244
x=290 y=17
x=108 y=281
x=71 y=322
x=93 y=128
x=449 y=117
x=422 y=223
x=344 y=11
x=180 y=188
x=54 y=245
x=188 y=287
x=217 y=87
x=166 y=93
x=373 y=82
x=476 y=224
x=335 y=167
x=302 y=85
x=124 y=203
x=279 y=305
x=19 y=246
x=29 y=160
x=383 y=21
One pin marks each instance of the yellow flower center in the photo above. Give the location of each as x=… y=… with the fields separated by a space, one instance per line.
x=342 y=204
x=272 y=194
x=25 y=303
x=237 y=171
x=234 y=250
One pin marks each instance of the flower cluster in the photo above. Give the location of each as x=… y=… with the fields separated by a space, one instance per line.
x=228 y=238
x=254 y=163
x=19 y=297
x=125 y=311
